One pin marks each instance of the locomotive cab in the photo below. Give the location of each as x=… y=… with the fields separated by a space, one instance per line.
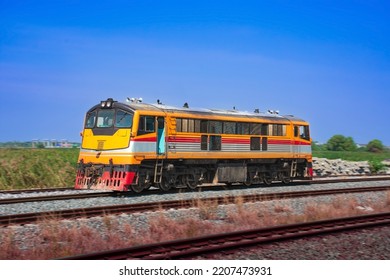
x=302 y=148
x=107 y=130
x=106 y=120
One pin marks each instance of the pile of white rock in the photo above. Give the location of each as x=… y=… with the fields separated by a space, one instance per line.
x=338 y=167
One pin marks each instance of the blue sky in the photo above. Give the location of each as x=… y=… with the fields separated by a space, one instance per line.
x=325 y=61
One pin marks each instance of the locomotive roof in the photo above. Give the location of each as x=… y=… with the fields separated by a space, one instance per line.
x=162 y=108
x=200 y=111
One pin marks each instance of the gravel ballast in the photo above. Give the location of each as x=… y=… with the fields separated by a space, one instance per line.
x=364 y=244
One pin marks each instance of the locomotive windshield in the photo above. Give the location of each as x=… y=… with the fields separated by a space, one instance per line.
x=109 y=118
x=123 y=119
x=90 y=119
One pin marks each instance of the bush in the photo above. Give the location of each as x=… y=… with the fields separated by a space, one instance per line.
x=341 y=143
x=376 y=166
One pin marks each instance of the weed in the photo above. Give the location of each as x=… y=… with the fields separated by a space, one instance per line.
x=282 y=207
x=207 y=209
x=376 y=166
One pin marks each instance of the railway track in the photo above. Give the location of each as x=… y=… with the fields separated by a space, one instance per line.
x=174 y=204
x=210 y=244
x=34 y=190
x=328 y=180
x=55 y=197
x=156 y=191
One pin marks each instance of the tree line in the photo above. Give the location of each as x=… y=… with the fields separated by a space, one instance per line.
x=342 y=143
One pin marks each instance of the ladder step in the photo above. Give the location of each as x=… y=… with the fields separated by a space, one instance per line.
x=293 y=171
x=158 y=170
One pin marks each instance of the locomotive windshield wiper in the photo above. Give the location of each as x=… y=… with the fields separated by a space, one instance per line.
x=123 y=117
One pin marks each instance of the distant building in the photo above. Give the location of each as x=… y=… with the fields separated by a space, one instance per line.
x=53 y=143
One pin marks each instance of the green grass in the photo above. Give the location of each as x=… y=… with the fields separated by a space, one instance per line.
x=37 y=168
x=352 y=156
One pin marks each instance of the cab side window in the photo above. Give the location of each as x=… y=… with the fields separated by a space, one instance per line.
x=146 y=125
x=296 y=131
x=302 y=132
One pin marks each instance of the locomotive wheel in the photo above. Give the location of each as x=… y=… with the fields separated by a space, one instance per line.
x=267 y=179
x=165 y=184
x=190 y=181
x=137 y=188
x=248 y=182
x=286 y=179
x=141 y=185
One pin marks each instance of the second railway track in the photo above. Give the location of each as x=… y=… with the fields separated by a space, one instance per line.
x=217 y=243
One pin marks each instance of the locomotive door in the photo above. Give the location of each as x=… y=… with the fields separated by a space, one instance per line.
x=160 y=136
x=296 y=146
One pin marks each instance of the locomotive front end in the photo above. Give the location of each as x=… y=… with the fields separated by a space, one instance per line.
x=103 y=162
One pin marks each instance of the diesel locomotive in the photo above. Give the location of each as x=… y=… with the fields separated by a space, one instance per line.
x=133 y=145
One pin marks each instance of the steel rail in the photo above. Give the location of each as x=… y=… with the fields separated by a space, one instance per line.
x=55 y=197
x=175 y=204
x=35 y=190
x=343 y=179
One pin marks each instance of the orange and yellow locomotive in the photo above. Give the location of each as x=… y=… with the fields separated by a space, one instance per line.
x=134 y=145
